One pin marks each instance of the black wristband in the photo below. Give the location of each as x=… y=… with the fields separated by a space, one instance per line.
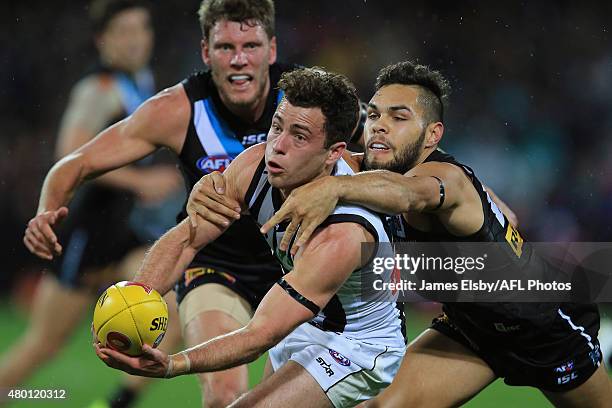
x=442 y=193
x=297 y=296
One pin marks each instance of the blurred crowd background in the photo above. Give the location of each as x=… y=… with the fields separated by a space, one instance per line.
x=530 y=109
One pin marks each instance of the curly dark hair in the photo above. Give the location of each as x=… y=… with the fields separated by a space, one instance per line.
x=241 y=11
x=435 y=89
x=101 y=12
x=333 y=93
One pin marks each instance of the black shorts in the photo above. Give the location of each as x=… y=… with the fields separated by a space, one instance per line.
x=96 y=234
x=200 y=273
x=557 y=356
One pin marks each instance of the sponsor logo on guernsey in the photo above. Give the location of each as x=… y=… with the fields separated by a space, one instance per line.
x=326 y=366
x=249 y=140
x=565 y=367
x=208 y=164
x=340 y=359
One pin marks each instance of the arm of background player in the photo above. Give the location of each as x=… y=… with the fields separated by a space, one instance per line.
x=323 y=266
x=160 y=121
x=172 y=253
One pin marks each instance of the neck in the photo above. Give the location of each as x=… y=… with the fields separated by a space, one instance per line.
x=425 y=153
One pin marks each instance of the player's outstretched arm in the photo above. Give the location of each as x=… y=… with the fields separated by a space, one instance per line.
x=160 y=121
x=320 y=269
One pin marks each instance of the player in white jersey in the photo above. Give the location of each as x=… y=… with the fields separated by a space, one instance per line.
x=339 y=348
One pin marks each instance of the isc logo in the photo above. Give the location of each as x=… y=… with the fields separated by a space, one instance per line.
x=159 y=323
x=566 y=378
x=208 y=164
x=253 y=139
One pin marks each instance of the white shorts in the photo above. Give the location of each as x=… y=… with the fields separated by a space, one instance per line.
x=349 y=371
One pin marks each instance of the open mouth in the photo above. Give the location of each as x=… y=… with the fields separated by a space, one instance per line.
x=273 y=167
x=240 y=79
x=378 y=146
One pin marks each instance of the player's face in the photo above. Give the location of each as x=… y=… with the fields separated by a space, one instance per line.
x=395 y=131
x=295 y=152
x=239 y=55
x=127 y=41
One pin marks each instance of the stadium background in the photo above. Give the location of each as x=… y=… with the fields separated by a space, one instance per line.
x=530 y=113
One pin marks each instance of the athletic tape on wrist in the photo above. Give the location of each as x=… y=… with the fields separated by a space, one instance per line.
x=170 y=367
x=187 y=362
x=170 y=371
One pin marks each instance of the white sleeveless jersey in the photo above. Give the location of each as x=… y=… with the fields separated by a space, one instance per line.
x=375 y=318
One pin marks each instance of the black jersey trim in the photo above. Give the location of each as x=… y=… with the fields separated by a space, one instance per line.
x=255 y=181
x=357 y=219
x=335 y=316
x=402 y=317
x=354 y=218
x=308 y=304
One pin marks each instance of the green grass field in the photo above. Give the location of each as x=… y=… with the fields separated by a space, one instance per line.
x=85 y=378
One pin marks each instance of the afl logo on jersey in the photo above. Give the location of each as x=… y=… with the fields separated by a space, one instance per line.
x=208 y=164
x=340 y=359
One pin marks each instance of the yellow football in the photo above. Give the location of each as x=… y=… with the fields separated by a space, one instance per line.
x=128 y=315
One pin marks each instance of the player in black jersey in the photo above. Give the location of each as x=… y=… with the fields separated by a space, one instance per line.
x=206 y=120
x=107 y=93
x=550 y=346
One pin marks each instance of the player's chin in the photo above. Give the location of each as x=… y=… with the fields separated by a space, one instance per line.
x=277 y=180
x=242 y=98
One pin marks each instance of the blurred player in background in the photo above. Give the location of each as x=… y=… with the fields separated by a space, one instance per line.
x=114 y=218
x=207 y=120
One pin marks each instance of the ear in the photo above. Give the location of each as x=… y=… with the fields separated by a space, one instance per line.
x=272 y=54
x=335 y=152
x=433 y=134
x=205 y=51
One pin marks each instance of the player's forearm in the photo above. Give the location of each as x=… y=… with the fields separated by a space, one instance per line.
x=61 y=182
x=70 y=172
x=385 y=192
x=221 y=353
x=167 y=259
